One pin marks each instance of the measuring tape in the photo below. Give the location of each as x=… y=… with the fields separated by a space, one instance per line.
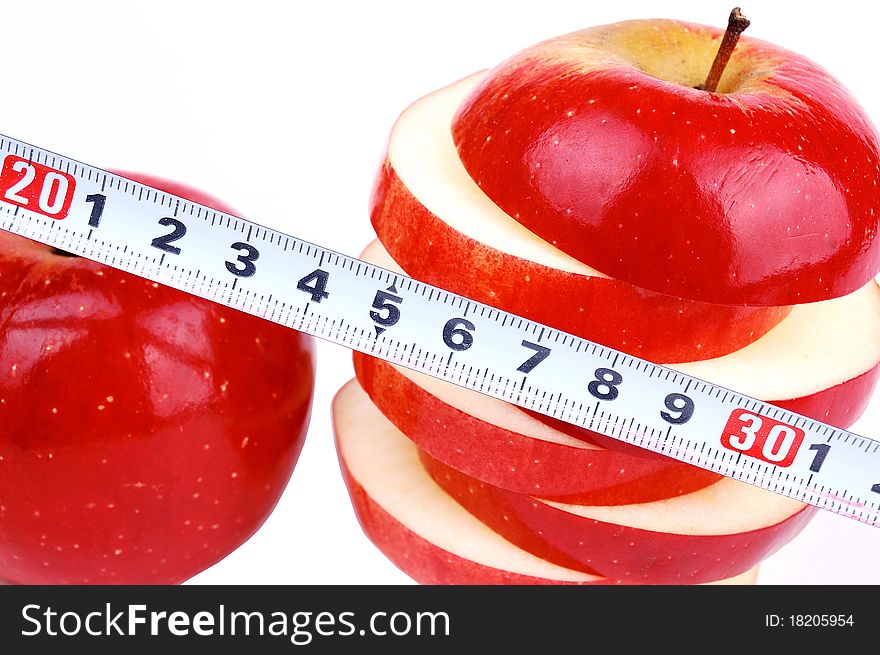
x=159 y=236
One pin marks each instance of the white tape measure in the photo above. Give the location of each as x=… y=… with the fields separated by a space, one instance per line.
x=92 y=213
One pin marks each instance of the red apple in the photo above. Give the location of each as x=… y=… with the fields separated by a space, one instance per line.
x=586 y=184
x=416 y=524
x=442 y=229
x=762 y=193
x=144 y=433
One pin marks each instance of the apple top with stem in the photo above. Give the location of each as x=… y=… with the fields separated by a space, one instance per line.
x=602 y=142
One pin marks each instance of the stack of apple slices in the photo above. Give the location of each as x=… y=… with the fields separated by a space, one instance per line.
x=460 y=488
x=418 y=524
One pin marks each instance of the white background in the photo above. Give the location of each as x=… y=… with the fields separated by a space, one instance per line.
x=283 y=109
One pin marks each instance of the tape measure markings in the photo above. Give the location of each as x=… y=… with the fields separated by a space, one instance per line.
x=403 y=325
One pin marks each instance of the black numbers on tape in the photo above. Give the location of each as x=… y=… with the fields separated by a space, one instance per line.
x=821 y=453
x=246 y=259
x=541 y=353
x=315 y=284
x=822 y=450
x=162 y=242
x=681 y=409
x=456 y=334
x=385 y=311
x=604 y=387
x=97 y=208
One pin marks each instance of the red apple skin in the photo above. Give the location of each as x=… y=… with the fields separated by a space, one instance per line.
x=599 y=309
x=765 y=193
x=520 y=463
x=144 y=433
x=840 y=406
x=620 y=552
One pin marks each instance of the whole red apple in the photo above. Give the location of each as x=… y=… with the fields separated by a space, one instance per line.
x=423 y=195
x=763 y=192
x=145 y=433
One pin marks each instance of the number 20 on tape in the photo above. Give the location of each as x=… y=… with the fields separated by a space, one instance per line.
x=762 y=437
x=36 y=187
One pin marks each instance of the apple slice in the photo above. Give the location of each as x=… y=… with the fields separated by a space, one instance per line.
x=442 y=229
x=719 y=531
x=494 y=441
x=764 y=192
x=416 y=524
x=801 y=364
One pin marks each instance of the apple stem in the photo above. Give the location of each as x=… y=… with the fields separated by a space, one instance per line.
x=736 y=25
